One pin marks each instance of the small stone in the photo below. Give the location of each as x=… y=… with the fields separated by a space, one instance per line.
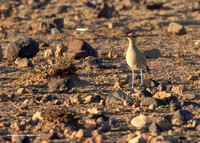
x=49 y=136
x=149 y=101
x=175 y=105
x=155 y=127
x=163 y=123
x=176 y=28
x=152 y=107
x=27 y=102
x=88 y=99
x=193 y=78
x=110 y=25
x=49 y=53
x=177 y=122
x=128 y=4
x=183 y=115
x=56 y=31
x=141 y=122
x=46 y=98
x=22 y=91
x=76 y=100
x=57 y=22
x=128 y=102
x=83 y=133
x=152 y=54
x=178 y=89
x=138 y=139
x=23 y=62
x=37 y=116
x=151 y=83
x=161 y=87
x=81 y=49
x=60 y=49
x=105 y=127
x=154 y=6
x=90 y=124
x=105 y=11
x=57 y=102
x=21 y=113
x=62 y=9
x=197 y=43
x=95 y=110
x=190 y=96
x=20 y=139
x=4 y=97
x=61 y=85
x=161 y=95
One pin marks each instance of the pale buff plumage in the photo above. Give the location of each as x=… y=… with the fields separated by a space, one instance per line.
x=135 y=59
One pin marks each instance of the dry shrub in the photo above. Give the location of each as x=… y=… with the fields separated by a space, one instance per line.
x=60 y=115
x=63 y=67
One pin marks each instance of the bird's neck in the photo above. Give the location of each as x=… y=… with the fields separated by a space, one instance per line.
x=131 y=43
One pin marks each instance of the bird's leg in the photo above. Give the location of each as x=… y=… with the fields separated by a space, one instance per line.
x=141 y=77
x=132 y=78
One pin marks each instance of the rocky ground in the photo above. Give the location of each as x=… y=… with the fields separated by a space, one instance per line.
x=55 y=88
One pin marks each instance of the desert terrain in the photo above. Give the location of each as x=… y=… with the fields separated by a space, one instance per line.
x=55 y=88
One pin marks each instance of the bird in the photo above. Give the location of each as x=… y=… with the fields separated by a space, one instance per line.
x=135 y=58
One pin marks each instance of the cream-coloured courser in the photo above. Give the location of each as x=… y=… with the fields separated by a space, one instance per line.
x=134 y=58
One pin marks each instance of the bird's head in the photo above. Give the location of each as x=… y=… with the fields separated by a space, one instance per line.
x=131 y=36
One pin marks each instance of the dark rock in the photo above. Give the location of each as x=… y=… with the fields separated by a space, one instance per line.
x=105 y=11
x=92 y=62
x=175 y=105
x=176 y=28
x=81 y=49
x=1 y=54
x=188 y=103
x=152 y=54
x=146 y=93
x=154 y=6
x=107 y=66
x=21 y=139
x=56 y=31
x=150 y=101
x=151 y=83
x=96 y=98
x=62 y=9
x=183 y=115
x=4 y=97
x=105 y=127
x=161 y=87
x=128 y=4
x=23 y=47
x=61 y=85
x=46 y=98
x=112 y=122
x=155 y=127
x=57 y=22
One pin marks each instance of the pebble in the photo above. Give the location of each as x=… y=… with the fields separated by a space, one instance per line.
x=23 y=62
x=57 y=22
x=49 y=53
x=189 y=96
x=95 y=110
x=176 y=28
x=150 y=101
x=183 y=115
x=138 y=139
x=155 y=127
x=193 y=78
x=152 y=107
x=83 y=133
x=37 y=116
x=141 y=122
x=105 y=11
x=152 y=54
x=60 y=49
x=178 y=89
x=162 y=95
x=20 y=139
x=4 y=97
x=56 y=31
